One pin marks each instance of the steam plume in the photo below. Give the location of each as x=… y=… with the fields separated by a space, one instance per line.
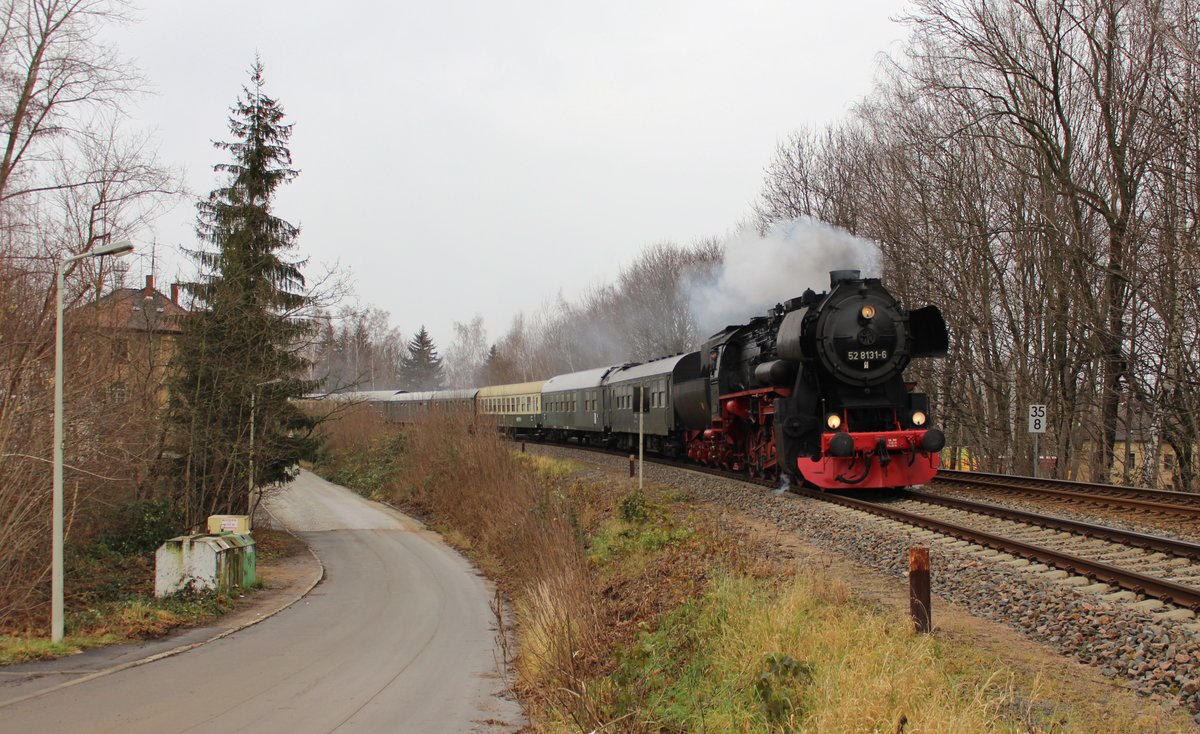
x=759 y=272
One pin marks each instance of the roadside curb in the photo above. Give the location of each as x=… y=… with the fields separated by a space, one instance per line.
x=190 y=646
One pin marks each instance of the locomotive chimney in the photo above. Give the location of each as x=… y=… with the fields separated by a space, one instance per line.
x=839 y=276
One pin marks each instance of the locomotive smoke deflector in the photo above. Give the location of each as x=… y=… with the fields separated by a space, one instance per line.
x=930 y=337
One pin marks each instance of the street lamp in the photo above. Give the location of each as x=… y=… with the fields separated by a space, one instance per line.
x=250 y=489
x=56 y=572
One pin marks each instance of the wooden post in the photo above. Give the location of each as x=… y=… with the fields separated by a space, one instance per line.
x=918 y=588
x=522 y=447
x=632 y=465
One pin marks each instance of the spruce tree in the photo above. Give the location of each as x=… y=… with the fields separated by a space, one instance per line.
x=240 y=348
x=421 y=367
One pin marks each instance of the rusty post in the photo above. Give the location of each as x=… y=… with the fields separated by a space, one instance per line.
x=522 y=447
x=918 y=588
x=632 y=465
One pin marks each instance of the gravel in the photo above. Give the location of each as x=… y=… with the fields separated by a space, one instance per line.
x=1158 y=657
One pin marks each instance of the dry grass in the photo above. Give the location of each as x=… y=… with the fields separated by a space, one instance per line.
x=859 y=670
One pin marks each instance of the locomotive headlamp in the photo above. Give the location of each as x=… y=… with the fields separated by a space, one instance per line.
x=918 y=418
x=867 y=312
x=834 y=421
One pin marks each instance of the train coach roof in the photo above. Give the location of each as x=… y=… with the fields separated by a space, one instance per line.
x=466 y=393
x=416 y=397
x=353 y=396
x=578 y=380
x=656 y=368
x=412 y=397
x=523 y=388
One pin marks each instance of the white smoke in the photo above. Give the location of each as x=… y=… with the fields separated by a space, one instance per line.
x=759 y=272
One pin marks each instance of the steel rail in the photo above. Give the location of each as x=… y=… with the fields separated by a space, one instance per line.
x=1137 y=497
x=1161 y=589
x=1175 y=547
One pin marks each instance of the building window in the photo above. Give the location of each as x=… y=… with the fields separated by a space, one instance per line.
x=120 y=349
x=117 y=392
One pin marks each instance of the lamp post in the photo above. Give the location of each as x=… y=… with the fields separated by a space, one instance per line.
x=56 y=571
x=250 y=489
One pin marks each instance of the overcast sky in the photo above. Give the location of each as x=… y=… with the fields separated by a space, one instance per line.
x=477 y=157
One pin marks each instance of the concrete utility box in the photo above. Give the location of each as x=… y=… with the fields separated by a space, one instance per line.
x=228 y=524
x=220 y=562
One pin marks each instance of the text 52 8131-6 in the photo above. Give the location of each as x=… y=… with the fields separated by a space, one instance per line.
x=867 y=355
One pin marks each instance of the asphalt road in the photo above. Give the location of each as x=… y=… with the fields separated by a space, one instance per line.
x=399 y=637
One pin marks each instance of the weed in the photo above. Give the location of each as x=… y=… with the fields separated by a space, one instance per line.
x=781 y=686
x=633 y=507
x=15 y=649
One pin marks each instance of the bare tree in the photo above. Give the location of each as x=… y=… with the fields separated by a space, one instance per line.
x=1073 y=81
x=69 y=179
x=467 y=355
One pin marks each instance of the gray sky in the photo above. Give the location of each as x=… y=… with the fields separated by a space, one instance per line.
x=466 y=157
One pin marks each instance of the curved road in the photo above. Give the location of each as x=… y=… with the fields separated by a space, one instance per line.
x=399 y=637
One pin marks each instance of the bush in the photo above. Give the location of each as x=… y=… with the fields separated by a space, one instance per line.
x=140 y=526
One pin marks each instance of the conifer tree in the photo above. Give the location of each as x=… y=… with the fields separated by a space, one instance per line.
x=421 y=368
x=240 y=350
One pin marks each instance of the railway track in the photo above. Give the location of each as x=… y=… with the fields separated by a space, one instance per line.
x=1160 y=568
x=1148 y=503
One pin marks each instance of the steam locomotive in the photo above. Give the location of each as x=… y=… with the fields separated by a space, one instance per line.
x=813 y=390
x=816 y=388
